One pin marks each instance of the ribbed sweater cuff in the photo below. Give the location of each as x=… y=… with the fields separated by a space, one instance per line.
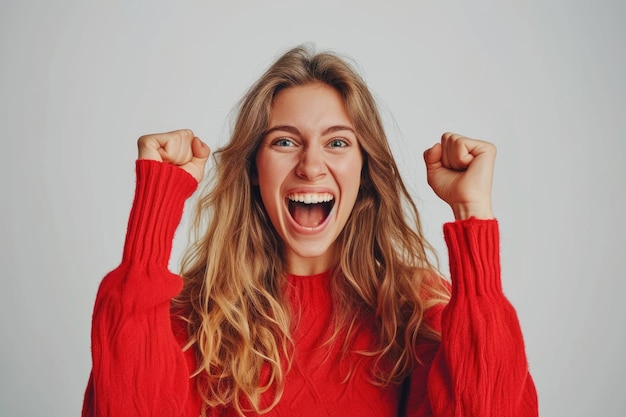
x=160 y=194
x=474 y=252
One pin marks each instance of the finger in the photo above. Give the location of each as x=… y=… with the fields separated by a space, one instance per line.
x=432 y=156
x=456 y=154
x=175 y=146
x=479 y=147
x=148 y=148
x=445 y=154
x=484 y=154
x=474 y=156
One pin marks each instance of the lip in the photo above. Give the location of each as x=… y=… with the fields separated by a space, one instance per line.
x=309 y=230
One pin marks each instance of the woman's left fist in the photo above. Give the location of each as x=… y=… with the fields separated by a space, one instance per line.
x=460 y=172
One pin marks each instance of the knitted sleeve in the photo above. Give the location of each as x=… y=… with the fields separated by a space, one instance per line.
x=479 y=368
x=138 y=367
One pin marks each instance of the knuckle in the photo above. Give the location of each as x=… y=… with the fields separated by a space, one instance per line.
x=143 y=141
x=184 y=134
x=491 y=147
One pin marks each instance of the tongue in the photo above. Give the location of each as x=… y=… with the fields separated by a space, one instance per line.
x=308 y=215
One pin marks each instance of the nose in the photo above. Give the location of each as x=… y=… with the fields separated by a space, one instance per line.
x=311 y=165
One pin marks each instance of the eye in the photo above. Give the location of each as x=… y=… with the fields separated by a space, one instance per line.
x=338 y=143
x=283 y=142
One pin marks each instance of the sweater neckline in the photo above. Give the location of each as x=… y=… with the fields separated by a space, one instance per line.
x=321 y=275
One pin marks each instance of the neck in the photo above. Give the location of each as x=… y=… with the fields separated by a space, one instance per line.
x=305 y=266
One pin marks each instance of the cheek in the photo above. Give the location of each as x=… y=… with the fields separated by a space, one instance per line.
x=352 y=173
x=269 y=188
x=268 y=180
x=263 y=172
x=270 y=166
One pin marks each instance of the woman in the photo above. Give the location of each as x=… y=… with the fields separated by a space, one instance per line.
x=309 y=290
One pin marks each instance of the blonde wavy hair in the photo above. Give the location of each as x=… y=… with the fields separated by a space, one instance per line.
x=235 y=273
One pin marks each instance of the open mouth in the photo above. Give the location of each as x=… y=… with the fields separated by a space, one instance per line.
x=310 y=209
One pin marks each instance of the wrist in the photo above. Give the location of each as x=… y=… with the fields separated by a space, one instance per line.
x=161 y=191
x=467 y=210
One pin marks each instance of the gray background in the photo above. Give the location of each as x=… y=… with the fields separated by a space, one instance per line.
x=544 y=80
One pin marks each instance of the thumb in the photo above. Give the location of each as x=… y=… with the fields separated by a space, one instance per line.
x=199 y=149
x=200 y=154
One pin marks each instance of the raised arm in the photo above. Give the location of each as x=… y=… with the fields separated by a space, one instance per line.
x=480 y=366
x=138 y=366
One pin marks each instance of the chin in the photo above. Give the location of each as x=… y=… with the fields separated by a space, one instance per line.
x=302 y=252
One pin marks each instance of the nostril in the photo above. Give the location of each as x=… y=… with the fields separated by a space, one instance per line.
x=311 y=167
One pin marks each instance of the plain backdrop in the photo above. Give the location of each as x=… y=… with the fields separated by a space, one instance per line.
x=80 y=81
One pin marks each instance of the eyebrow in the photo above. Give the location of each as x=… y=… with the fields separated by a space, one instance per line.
x=295 y=131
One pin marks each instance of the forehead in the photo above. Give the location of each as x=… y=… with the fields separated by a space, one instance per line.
x=309 y=105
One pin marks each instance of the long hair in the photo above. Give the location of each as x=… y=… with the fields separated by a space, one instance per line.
x=235 y=271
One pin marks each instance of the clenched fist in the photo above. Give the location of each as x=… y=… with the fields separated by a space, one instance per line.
x=179 y=147
x=460 y=172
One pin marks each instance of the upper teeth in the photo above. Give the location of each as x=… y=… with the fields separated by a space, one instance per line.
x=310 y=198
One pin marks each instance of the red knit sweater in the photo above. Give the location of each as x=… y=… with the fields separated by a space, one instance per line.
x=139 y=369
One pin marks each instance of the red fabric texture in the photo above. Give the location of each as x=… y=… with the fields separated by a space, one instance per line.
x=139 y=368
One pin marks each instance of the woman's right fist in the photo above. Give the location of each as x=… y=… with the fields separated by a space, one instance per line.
x=179 y=147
